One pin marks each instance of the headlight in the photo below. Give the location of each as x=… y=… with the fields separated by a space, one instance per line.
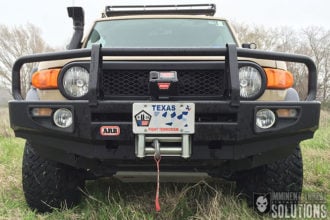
x=75 y=82
x=252 y=82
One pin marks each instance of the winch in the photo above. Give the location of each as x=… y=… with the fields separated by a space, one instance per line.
x=178 y=146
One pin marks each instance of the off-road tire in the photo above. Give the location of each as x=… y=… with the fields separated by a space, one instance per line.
x=285 y=175
x=48 y=184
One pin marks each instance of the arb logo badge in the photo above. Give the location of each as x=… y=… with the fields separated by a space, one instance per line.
x=110 y=131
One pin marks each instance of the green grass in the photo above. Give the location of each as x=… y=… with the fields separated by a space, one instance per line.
x=316 y=158
x=110 y=199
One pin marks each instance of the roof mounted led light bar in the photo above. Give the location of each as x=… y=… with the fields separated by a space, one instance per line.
x=193 y=9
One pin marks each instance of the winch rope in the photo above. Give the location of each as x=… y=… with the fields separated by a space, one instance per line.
x=157 y=206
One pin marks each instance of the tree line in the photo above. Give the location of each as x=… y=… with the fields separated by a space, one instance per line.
x=312 y=41
x=14 y=43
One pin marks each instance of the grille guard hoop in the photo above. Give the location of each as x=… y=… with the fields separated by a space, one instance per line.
x=231 y=52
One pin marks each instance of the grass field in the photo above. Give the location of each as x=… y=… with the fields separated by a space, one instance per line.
x=110 y=199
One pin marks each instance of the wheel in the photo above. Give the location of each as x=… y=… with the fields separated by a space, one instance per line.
x=285 y=175
x=47 y=184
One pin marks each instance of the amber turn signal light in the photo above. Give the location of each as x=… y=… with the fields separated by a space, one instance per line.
x=287 y=113
x=46 y=79
x=41 y=112
x=278 y=79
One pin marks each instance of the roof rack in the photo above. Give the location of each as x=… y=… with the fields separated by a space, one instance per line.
x=193 y=9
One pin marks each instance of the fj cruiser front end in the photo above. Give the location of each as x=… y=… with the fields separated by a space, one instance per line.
x=169 y=81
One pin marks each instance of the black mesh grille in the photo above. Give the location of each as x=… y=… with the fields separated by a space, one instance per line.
x=135 y=83
x=125 y=83
x=201 y=83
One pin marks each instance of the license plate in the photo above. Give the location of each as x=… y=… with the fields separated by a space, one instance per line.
x=163 y=118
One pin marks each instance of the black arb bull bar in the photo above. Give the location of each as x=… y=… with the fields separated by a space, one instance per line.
x=235 y=147
x=231 y=52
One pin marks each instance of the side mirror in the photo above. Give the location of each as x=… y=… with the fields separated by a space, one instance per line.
x=250 y=45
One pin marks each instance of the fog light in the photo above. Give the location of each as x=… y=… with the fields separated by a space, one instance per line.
x=265 y=118
x=63 y=118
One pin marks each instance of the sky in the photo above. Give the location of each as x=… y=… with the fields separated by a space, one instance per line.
x=51 y=16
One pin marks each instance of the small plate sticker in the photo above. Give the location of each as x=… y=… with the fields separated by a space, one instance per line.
x=110 y=131
x=163 y=118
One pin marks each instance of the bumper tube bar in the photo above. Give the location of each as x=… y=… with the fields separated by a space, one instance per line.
x=96 y=54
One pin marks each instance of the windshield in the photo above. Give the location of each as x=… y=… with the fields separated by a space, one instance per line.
x=161 y=32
